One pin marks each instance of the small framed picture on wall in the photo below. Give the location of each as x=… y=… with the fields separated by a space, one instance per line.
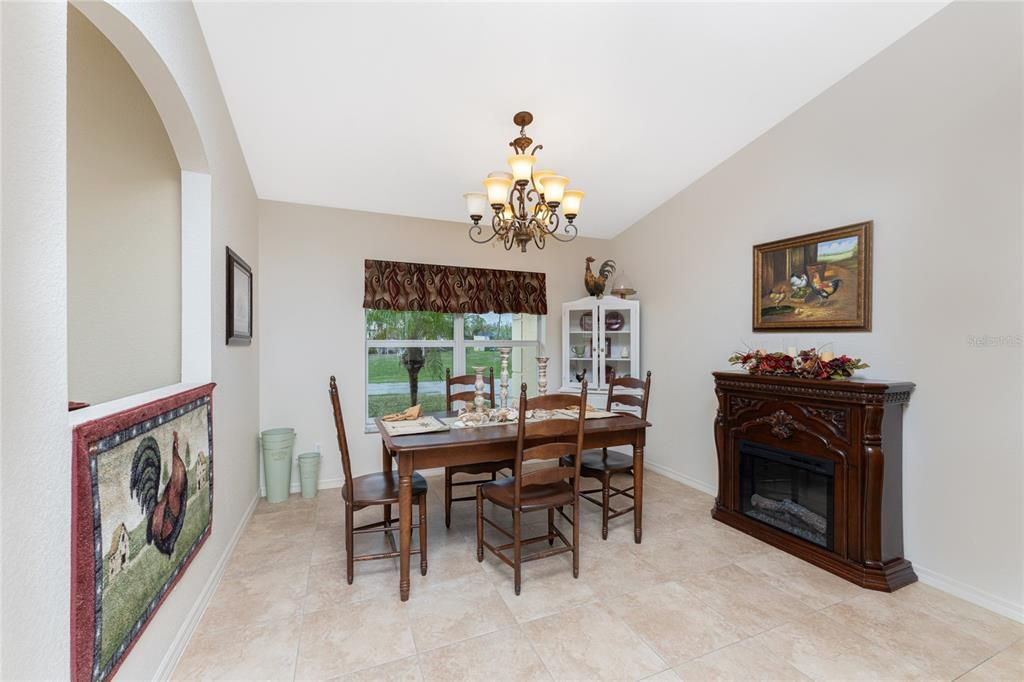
x=239 y=300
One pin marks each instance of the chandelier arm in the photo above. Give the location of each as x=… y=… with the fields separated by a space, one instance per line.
x=521 y=213
x=476 y=230
x=555 y=221
x=538 y=238
x=571 y=235
x=509 y=239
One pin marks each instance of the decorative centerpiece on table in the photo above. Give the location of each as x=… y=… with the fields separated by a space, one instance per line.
x=805 y=364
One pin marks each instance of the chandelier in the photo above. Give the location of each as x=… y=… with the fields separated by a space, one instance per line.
x=524 y=203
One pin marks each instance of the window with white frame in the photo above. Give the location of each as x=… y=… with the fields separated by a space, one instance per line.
x=407 y=353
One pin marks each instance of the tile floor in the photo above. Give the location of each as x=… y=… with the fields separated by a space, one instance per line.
x=697 y=600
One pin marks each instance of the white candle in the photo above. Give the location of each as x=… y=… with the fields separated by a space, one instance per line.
x=791 y=351
x=827 y=356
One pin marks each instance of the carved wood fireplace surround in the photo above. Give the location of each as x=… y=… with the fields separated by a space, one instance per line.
x=815 y=469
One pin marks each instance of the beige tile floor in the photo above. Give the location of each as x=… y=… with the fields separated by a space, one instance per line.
x=697 y=600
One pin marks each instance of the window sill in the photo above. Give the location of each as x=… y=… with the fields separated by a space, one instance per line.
x=370 y=427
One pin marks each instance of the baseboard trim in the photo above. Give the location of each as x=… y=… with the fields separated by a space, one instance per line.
x=187 y=629
x=981 y=598
x=681 y=478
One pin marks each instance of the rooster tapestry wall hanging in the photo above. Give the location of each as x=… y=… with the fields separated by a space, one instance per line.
x=142 y=501
x=815 y=281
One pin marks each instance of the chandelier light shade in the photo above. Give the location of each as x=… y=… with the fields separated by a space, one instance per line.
x=524 y=204
x=571 y=201
x=538 y=179
x=497 y=190
x=522 y=167
x=476 y=204
x=554 y=189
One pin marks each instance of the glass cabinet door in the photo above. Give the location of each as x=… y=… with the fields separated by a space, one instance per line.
x=617 y=349
x=583 y=341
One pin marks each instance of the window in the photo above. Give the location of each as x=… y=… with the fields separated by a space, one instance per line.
x=408 y=352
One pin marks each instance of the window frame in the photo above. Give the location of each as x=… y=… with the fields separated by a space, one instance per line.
x=459 y=344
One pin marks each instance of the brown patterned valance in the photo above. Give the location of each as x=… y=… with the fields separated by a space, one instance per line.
x=390 y=285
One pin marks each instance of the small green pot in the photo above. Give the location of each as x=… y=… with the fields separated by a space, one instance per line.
x=309 y=473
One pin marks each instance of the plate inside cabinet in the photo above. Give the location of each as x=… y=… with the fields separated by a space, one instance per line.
x=614 y=321
x=586 y=321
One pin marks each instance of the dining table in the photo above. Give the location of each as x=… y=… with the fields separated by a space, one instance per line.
x=493 y=442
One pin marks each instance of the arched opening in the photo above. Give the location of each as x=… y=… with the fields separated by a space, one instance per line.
x=139 y=260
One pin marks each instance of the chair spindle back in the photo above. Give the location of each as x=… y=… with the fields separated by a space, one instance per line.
x=563 y=436
x=339 y=425
x=629 y=399
x=466 y=396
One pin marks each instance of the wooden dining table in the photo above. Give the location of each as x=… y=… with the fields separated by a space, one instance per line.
x=494 y=443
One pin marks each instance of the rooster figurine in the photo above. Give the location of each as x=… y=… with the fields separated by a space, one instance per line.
x=166 y=511
x=596 y=283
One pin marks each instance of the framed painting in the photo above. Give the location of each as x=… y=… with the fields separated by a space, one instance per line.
x=818 y=281
x=239 y=300
x=142 y=507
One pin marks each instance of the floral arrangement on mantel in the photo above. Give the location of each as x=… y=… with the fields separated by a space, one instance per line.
x=806 y=364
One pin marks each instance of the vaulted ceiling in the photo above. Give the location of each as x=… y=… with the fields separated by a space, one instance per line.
x=400 y=108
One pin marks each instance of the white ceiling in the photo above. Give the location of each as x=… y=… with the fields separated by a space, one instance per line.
x=400 y=108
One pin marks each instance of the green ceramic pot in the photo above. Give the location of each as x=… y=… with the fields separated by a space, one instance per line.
x=309 y=473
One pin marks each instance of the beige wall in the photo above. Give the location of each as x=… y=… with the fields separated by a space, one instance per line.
x=35 y=470
x=124 y=228
x=310 y=279
x=36 y=482
x=925 y=139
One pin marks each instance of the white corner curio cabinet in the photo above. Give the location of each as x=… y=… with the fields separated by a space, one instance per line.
x=599 y=336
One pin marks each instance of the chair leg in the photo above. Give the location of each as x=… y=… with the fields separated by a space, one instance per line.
x=576 y=539
x=349 y=544
x=551 y=526
x=423 y=533
x=517 y=554
x=447 y=498
x=606 y=484
x=479 y=525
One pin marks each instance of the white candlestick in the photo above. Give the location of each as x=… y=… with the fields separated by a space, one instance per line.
x=478 y=398
x=504 y=352
x=542 y=375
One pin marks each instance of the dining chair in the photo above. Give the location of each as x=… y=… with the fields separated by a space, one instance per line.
x=374 y=490
x=458 y=384
x=603 y=464
x=550 y=488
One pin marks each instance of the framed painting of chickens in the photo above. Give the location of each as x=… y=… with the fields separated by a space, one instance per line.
x=816 y=281
x=142 y=501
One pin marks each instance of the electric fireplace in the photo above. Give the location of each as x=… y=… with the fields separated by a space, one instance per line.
x=788 y=491
x=815 y=468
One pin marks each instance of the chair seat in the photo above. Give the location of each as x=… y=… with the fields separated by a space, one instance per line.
x=481 y=467
x=532 y=497
x=595 y=460
x=381 y=488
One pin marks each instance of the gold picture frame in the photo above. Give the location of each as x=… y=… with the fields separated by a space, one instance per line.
x=817 y=281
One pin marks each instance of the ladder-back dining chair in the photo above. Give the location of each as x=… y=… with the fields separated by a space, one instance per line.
x=603 y=464
x=374 y=490
x=459 y=384
x=543 y=488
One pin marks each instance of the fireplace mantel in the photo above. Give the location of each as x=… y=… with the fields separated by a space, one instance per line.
x=855 y=425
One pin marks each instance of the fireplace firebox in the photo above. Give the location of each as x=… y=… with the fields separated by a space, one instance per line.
x=789 y=491
x=815 y=469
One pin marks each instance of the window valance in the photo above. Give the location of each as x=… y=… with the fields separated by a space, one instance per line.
x=391 y=285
